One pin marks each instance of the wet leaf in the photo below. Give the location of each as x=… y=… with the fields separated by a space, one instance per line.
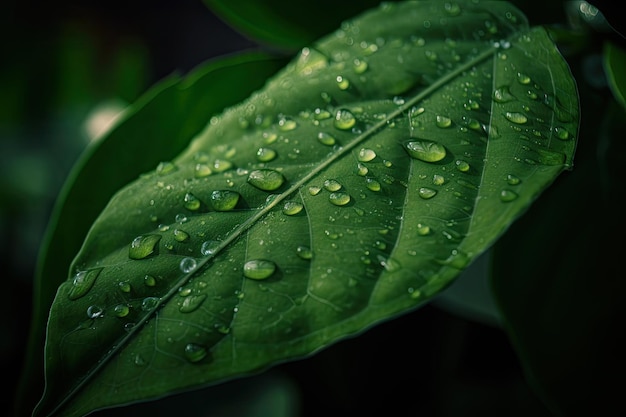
x=355 y=186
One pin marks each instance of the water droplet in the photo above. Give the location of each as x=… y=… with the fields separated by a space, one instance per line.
x=191 y=202
x=195 y=353
x=93 y=311
x=124 y=286
x=344 y=120
x=210 y=247
x=561 y=133
x=259 y=269
x=332 y=185
x=265 y=154
x=427 y=193
x=426 y=150
x=202 y=170
x=292 y=208
x=438 y=179
x=149 y=303
x=422 y=229
x=224 y=200
x=359 y=65
x=82 y=282
x=508 y=195
x=523 y=78
x=339 y=198
x=361 y=169
x=503 y=95
x=191 y=303
x=180 y=235
x=515 y=117
x=121 y=310
x=443 y=121
x=165 y=168
x=188 y=265
x=342 y=82
x=143 y=246
x=321 y=114
x=512 y=179
x=326 y=139
x=372 y=184
x=286 y=123
x=266 y=179
x=452 y=9
x=462 y=166
x=314 y=190
x=180 y=218
x=366 y=155
x=149 y=281
x=304 y=252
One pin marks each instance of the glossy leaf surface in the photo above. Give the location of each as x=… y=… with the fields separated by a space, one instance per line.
x=352 y=188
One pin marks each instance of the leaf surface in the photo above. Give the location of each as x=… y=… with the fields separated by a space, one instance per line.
x=353 y=187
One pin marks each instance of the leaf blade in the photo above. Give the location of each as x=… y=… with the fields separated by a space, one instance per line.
x=384 y=240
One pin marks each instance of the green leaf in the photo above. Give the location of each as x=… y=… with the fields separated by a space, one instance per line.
x=283 y=24
x=615 y=68
x=157 y=127
x=355 y=186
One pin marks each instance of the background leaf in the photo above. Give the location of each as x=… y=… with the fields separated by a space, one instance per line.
x=479 y=164
x=615 y=67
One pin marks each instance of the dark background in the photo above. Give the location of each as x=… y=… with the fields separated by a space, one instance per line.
x=59 y=62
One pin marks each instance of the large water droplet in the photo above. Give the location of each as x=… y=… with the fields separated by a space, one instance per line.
x=191 y=202
x=339 y=198
x=121 y=310
x=191 y=303
x=149 y=303
x=518 y=118
x=224 y=200
x=202 y=170
x=165 y=168
x=195 y=352
x=188 y=265
x=82 y=282
x=210 y=247
x=259 y=269
x=265 y=154
x=94 y=311
x=326 y=139
x=266 y=179
x=180 y=235
x=508 y=195
x=366 y=155
x=286 y=123
x=426 y=150
x=372 y=184
x=503 y=95
x=344 y=120
x=304 y=252
x=332 y=185
x=443 y=121
x=149 y=281
x=143 y=246
x=291 y=208
x=427 y=193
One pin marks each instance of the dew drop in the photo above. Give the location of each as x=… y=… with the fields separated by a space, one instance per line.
x=195 y=353
x=443 y=121
x=180 y=235
x=286 y=124
x=332 y=185
x=561 y=133
x=503 y=95
x=462 y=166
x=202 y=170
x=224 y=200
x=426 y=150
x=165 y=168
x=512 y=179
x=321 y=114
x=265 y=154
x=266 y=179
x=366 y=155
x=426 y=193
x=210 y=247
x=508 y=195
x=314 y=190
x=359 y=65
x=82 y=282
x=121 y=310
x=342 y=82
x=361 y=170
x=438 y=179
x=191 y=303
x=259 y=269
x=515 y=117
x=344 y=120
x=291 y=208
x=221 y=165
x=143 y=246
x=93 y=311
x=422 y=229
x=149 y=303
x=339 y=198
x=188 y=265
x=326 y=139
x=523 y=78
x=149 y=281
x=191 y=202
x=304 y=252
x=372 y=184
x=124 y=286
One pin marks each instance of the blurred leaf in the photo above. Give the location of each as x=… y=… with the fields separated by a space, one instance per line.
x=351 y=189
x=289 y=25
x=559 y=281
x=157 y=127
x=615 y=68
